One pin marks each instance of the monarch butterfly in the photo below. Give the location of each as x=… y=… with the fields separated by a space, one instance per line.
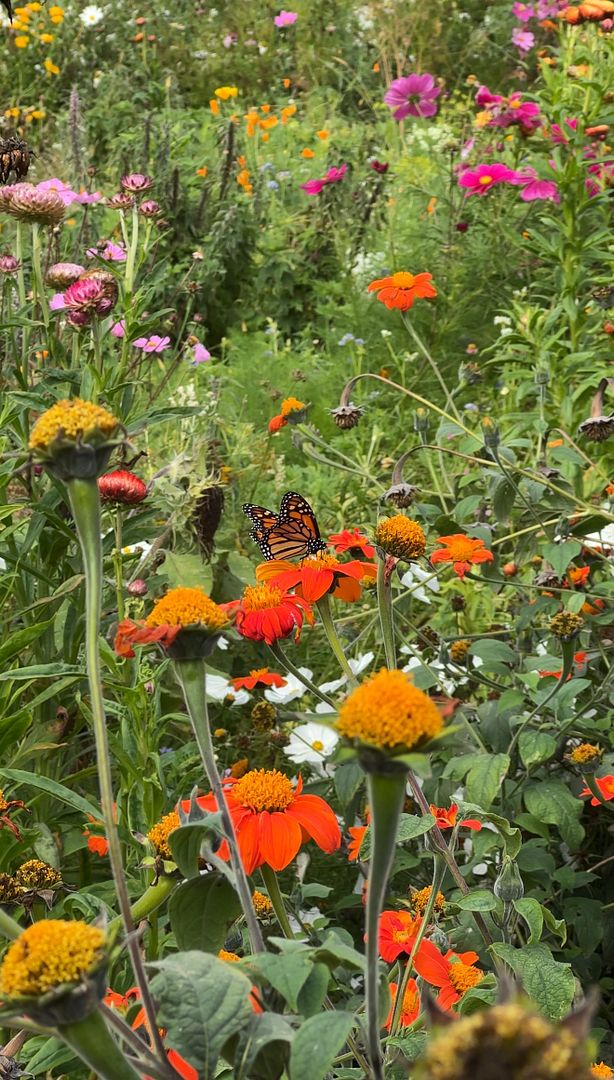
x=293 y=533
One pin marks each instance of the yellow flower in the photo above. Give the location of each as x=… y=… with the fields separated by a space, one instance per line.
x=50 y=67
x=389 y=712
x=225 y=92
x=160 y=832
x=49 y=953
x=187 y=607
x=229 y=957
x=291 y=405
x=584 y=753
x=35 y=6
x=47 y=38
x=35 y=874
x=38 y=114
x=269 y=122
x=601 y=1070
x=56 y=13
x=73 y=421
x=22 y=42
x=421 y=897
x=13 y=112
x=262 y=905
x=566 y=625
x=459 y=650
x=401 y=537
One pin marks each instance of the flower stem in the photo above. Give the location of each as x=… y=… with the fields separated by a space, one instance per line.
x=117 y=563
x=37 y=274
x=272 y=886
x=450 y=404
x=8 y=927
x=150 y=901
x=191 y=676
x=386 y=798
x=93 y=1043
x=323 y=606
x=291 y=668
x=85 y=505
x=567 y=648
x=439 y=869
x=384 y=603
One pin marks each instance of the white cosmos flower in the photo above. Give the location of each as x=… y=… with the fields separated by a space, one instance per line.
x=357 y=666
x=602 y=539
x=294 y=688
x=219 y=688
x=91 y=15
x=412 y=579
x=311 y=743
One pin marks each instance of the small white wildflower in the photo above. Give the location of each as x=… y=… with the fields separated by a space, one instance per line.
x=91 y=15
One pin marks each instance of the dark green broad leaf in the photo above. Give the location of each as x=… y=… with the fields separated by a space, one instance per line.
x=262 y=1049
x=411 y=1046
x=410 y=827
x=512 y=837
x=317 y=1043
x=536 y=746
x=202 y=910
x=552 y=801
x=494 y=652
x=313 y=991
x=550 y=984
x=503 y=500
x=335 y=952
x=187 y=841
x=560 y=555
x=484 y=778
x=287 y=974
x=530 y=910
x=202 y=1002
x=53 y=788
x=46 y=1055
x=477 y=900
x=348 y=779
x=186 y=570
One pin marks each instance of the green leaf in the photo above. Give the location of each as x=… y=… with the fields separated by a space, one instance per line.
x=410 y=826
x=263 y=1030
x=503 y=500
x=485 y=777
x=189 y=571
x=478 y=900
x=52 y=787
x=535 y=746
x=560 y=555
x=412 y=1046
x=202 y=910
x=313 y=991
x=202 y=1002
x=334 y=952
x=42 y=671
x=348 y=779
x=316 y=1044
x=555 y=926
x=550 y=984
x=552 y=801
x=287 y=974
x=531 y=911
x=20 y=639
x=492 y=651
x=512 y=837
x=187 y=841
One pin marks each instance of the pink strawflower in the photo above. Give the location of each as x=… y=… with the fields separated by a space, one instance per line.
x=524 y=40
x=533 y=188
x=86 y=298
x=152 y=344
x=118 y=329
x=558 y=134
x=200 y=353
x=136 y=182
x=149 y=208
x=413 y=95
x=333 y=176
x=482 y=178
x=9 y=264
x=523 y=12
x=62 y=190
x=285 y=18
x=108 y=251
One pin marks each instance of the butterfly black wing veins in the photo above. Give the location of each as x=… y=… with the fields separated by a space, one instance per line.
x=293 y=533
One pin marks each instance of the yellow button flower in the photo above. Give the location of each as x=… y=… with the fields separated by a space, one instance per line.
x=389 y=712
x=225 y=92
x=48 y=954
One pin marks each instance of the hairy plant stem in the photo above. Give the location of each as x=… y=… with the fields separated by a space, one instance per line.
x=384 y=603
x=386 y=798
x=323 y=606
x=93 y=1043
x=85 y=505
x=153 y=898
x=291 y=668
x=450 y=404
x=117 y=563
x=191 y=676
x=272 y=886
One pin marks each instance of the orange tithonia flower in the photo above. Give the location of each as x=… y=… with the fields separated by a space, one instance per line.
x=606 y=787
x=268 y=613
x=397 y=934
x=602 y=1071
x=317 y=575
x=276 y=423
x=160 y=832
x=445 y=818
x=272 y=819
x=400 y=290
x=411 y=1004
x=453 y=973
x=400 y=537
x=258 y=677
x=351 y=540
x=180 y=609
x=389 y=712
x=357 y=833
x=463 y=551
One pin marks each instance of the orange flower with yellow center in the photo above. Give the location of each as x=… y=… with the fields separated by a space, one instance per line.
x=400 y=537
x=317 y=575
x=453 y=973
x=410 y=1008
x=179 y=610
x=160 y=832
x=389 y=712
x=462 y=551
x=267 y=613
x=258 y=677
x=397 y=933
x=272 y=819
x=400 y=290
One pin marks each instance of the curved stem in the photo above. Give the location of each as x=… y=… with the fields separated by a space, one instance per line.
x=433 y=364
x=191 y=676
x=291 y=668
x=93 y=1043
x=9 y=928
x=85 y=505
x=384 y=603
x=150 y=901
x=323 y=606
x=272 y=886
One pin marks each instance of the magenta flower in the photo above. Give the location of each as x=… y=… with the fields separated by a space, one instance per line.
x=86 y=198
x=533 y=188
x=559 y=136
x=88 y=297
x=149 y=208
x=333 y=176
x=379 y=166
x=62 y=190
x=507 y=111
x=485 y=98
x=108 y=251
x=57 y=302
x=200 y=353
x=152 y=344
x=118 y=329
x=413 y=95
x=285 y=18
x=480 y=180
x=524 y=40
x=523 y=12
x=9 y=264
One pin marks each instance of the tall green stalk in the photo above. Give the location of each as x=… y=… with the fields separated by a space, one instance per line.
x=384 y=604
x=92 y=1041
x=323 y=606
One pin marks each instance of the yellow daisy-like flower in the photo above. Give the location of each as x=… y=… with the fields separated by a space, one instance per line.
x=389 y=712
x=262 y=905
x=226 y=92
x=401 y=537
x=50 y=67
x=75 y=421
x=584 y=753
x=160 y=833
x=187 y=607
x=48 y=954
x=22 y=42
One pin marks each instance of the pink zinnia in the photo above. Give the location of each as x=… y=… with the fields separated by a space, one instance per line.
x=413 y=95
x=558 y=134
x=285 y=18
x=333 y=176
x=523 y=40
x=154 y=343
x=533 y=188
x=480 y=180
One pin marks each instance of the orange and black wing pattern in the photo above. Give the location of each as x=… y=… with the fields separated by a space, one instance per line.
x=293 y=533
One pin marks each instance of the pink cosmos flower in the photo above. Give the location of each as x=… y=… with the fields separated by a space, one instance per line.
x=62 y=190
x=533 y=188
x=333 y=176
x=480 y=180
x=118 y=329
x=485 y=98
x=558 y=134
x=523 y=12
x=285 y=18
x=57 y=302
x=413 y=95
x=200 y=353
x=523 y=40
x=110 y=252
x=86 y=198
x=507 y=111
x=152 y=344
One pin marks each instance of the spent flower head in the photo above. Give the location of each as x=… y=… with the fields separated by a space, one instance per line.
x=566 y=625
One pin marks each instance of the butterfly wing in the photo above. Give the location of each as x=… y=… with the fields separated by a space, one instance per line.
x=291 y=534
x=262 y=521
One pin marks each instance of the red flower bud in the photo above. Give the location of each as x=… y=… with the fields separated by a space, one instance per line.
x=122 y=487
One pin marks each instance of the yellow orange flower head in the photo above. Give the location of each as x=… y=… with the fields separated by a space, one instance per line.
x=34 y=874
x=459 y=650
x=262 y=905
x=48 y=954
x=602 y=1071
x=511 y=1035
x=264 y=790
x=420 y=898
x=584 y=754
x=566 y=625
x=22 y=41
x=187 y=607
x=50 y=67
x=74 y=421
x=291 y=405
x=160 y=832
x=229 y=957
x=226 y=92
x=401 y=537
x=387 y=711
